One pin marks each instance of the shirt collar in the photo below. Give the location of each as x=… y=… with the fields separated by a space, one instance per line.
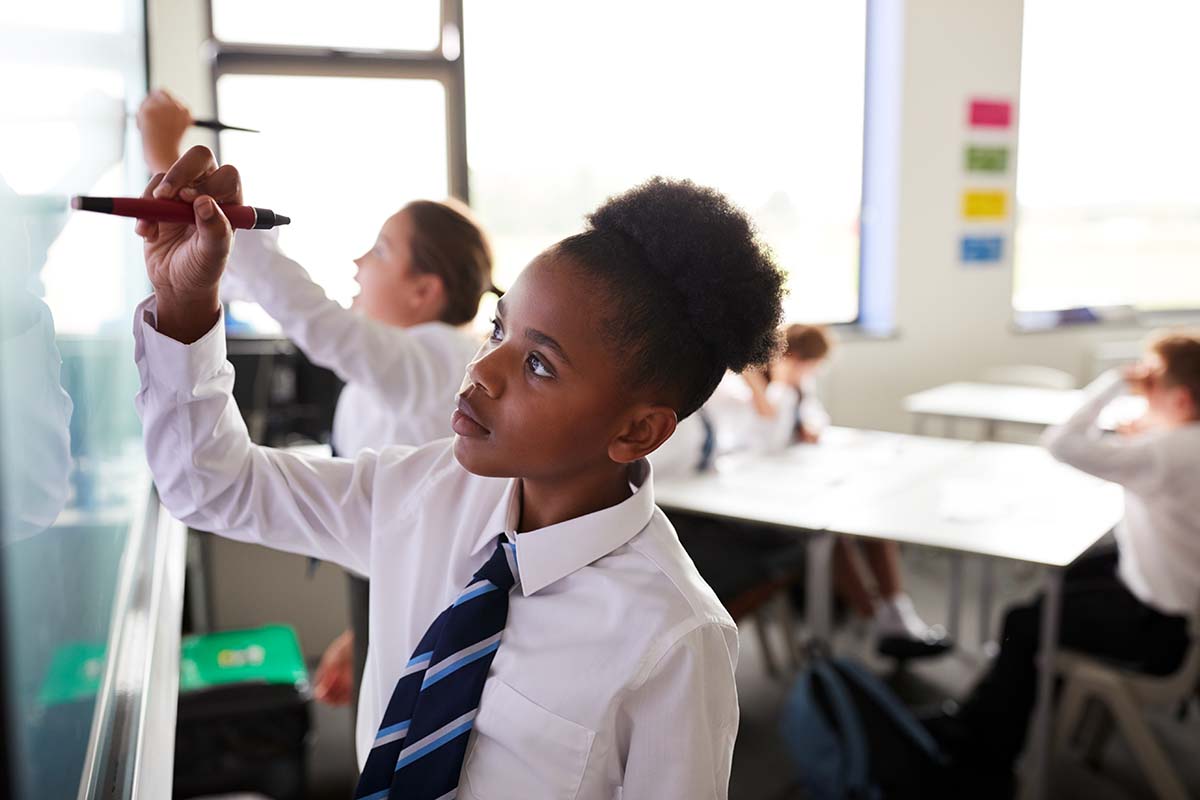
x=549 y=554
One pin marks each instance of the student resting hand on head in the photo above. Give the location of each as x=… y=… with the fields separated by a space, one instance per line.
x=536 y=628
x=1130 y=605
x=401 y=349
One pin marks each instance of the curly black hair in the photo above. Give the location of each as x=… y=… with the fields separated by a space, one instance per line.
x=692 y=291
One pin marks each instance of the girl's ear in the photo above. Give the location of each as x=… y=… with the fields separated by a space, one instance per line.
x=644 y=432
x=427 y=287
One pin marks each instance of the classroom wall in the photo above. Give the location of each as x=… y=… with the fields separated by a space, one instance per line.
x=177 y=32
x=951 y=322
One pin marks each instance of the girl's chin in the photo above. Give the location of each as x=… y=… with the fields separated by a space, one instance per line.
x=476 y=457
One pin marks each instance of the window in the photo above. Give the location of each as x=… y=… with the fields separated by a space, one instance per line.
x=1107 y=180
x=359 y=113
x=569 y=103
x=393 y=149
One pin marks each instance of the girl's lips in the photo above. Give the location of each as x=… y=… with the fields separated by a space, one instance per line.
x=464 y=422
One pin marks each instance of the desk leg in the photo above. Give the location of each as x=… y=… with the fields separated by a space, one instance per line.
x=954 y=611
x=819 y=591
x=1041 y=740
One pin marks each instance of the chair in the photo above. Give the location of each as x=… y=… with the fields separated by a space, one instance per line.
x=1033 y=375
x=1037 y=377
x=1098 y=696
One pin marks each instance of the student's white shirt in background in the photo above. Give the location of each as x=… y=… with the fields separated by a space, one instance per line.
x=680 y=455
x=615 y=676
x=811 y=412
x=400 y=382
x=738 y=426
x=1159 y=537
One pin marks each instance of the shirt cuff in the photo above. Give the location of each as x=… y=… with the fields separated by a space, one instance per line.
x=172 y=363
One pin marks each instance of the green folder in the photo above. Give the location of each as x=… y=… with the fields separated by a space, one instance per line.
x=270 y=654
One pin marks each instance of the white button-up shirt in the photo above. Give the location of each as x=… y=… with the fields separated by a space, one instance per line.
x=399 y=381
x=615 y=675
x=1159 y=538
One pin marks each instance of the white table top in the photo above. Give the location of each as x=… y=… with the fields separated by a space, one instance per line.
x=1004 y=403
x=1004 y=500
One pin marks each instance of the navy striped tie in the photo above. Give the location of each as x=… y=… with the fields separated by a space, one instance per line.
x=419 y=750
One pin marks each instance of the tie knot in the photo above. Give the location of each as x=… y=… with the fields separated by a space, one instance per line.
x=501 y=568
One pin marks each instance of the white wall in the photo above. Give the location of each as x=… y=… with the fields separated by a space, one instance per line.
x=178 y=29
x=951 y=322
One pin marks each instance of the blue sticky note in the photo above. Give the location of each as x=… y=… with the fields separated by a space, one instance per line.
x=982 y=249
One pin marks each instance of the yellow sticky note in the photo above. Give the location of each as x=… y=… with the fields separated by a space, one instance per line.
x=984 y=204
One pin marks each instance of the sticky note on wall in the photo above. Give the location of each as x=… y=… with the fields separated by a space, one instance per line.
x=984 y=204
x=990 y=113
x=986 y=159
x=981 y=249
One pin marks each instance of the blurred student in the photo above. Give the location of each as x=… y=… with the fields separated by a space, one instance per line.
x=401 y=349
x=899 y=630
x=528 y=598
x=1130 y=604
x=768 y=410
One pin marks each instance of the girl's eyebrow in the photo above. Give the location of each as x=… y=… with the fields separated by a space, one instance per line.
x=547 y=340
x=533 y=334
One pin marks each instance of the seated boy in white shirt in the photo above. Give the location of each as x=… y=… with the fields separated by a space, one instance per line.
x=612 y=672
x=401 y=348
x=1130 y=606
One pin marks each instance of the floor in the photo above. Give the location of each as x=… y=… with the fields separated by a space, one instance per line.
x=761 y=768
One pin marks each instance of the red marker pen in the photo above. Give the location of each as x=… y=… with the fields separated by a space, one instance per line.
x=176 y=211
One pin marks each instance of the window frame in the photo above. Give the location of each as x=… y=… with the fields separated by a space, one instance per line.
x=240 y=58
x=878 y=204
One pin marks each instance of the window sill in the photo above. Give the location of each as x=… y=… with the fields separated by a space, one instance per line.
x=850 y=332
x=1100 y=319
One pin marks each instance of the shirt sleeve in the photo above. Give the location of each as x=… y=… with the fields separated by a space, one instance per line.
x=1132 y=462
x=210 y=475
x=682 y=721
x=409 y=367
x=812 y=413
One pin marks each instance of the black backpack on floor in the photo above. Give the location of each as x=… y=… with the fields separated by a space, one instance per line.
x=851 y=737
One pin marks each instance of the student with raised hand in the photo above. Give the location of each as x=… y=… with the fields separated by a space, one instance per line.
x=401 y=349
x=537 y=630
x=1130 y=605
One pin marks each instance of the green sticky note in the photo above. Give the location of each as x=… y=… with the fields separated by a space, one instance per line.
x=986 y=159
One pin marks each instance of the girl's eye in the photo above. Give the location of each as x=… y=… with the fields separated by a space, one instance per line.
x=538 y=367
x=497 y=331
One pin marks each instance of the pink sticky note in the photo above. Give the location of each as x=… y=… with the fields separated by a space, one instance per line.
x=990 y=113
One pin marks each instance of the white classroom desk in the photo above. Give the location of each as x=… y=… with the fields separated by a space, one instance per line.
x=993 y=404
x=981 y=498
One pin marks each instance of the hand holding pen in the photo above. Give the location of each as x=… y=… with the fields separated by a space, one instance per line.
x=185 y=261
